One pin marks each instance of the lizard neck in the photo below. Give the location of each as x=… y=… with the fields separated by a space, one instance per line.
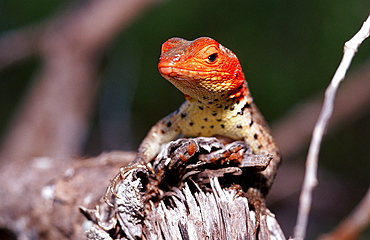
x=239 y=94
x=223 y=101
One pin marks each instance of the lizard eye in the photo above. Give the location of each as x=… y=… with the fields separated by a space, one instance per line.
x=211 y=58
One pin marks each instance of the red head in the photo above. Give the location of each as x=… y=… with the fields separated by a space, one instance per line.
x=202 y=67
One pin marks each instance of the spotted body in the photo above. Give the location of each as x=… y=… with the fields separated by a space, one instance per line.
x=218 y=102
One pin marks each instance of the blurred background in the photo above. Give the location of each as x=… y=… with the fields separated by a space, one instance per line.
x=289 y=51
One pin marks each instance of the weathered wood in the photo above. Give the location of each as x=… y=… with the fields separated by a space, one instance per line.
x=180 y=196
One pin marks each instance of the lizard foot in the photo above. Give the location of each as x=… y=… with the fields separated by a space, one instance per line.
x=124 y=172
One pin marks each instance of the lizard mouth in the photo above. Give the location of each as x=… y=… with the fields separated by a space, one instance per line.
x=182 y=73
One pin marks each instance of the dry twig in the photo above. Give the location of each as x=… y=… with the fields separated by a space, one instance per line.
x=310 y=181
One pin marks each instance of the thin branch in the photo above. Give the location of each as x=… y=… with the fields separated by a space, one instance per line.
x=310 y=181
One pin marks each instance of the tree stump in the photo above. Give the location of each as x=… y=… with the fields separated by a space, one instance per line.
x=190 y=191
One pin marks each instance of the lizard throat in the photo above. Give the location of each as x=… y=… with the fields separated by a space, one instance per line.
x=206 y=89
x=223 y=101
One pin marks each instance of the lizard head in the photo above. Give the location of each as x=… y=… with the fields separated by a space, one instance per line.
x=201 y=68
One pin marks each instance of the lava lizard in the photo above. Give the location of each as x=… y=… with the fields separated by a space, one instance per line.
x=218 y=102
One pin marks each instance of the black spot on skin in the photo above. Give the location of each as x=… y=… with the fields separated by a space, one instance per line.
x=215 y=100
x=205 y=119
x=204 y=97
x=218 y=120
x=210 y=102
x=163 y=132
x=211 y=126
x=191 y=123
x=237 y=102
x=232 y=108
x=199 y=134
x=240 y=112
x=200 y=107
x=202 y=127
x=219 y=105
x=226 y=107
x=247 y=105
x=255 y=136
x=183 y=115
x=259 y=146
x=239 y=126
x=169 y=124
x=199 y=101
x=223 y=126
x=251 y=123
x=214 y=114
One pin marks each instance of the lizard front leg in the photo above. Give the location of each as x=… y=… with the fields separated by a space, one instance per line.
x=163 y=132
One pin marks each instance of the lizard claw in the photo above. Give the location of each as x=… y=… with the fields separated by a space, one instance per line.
x=111 y=189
